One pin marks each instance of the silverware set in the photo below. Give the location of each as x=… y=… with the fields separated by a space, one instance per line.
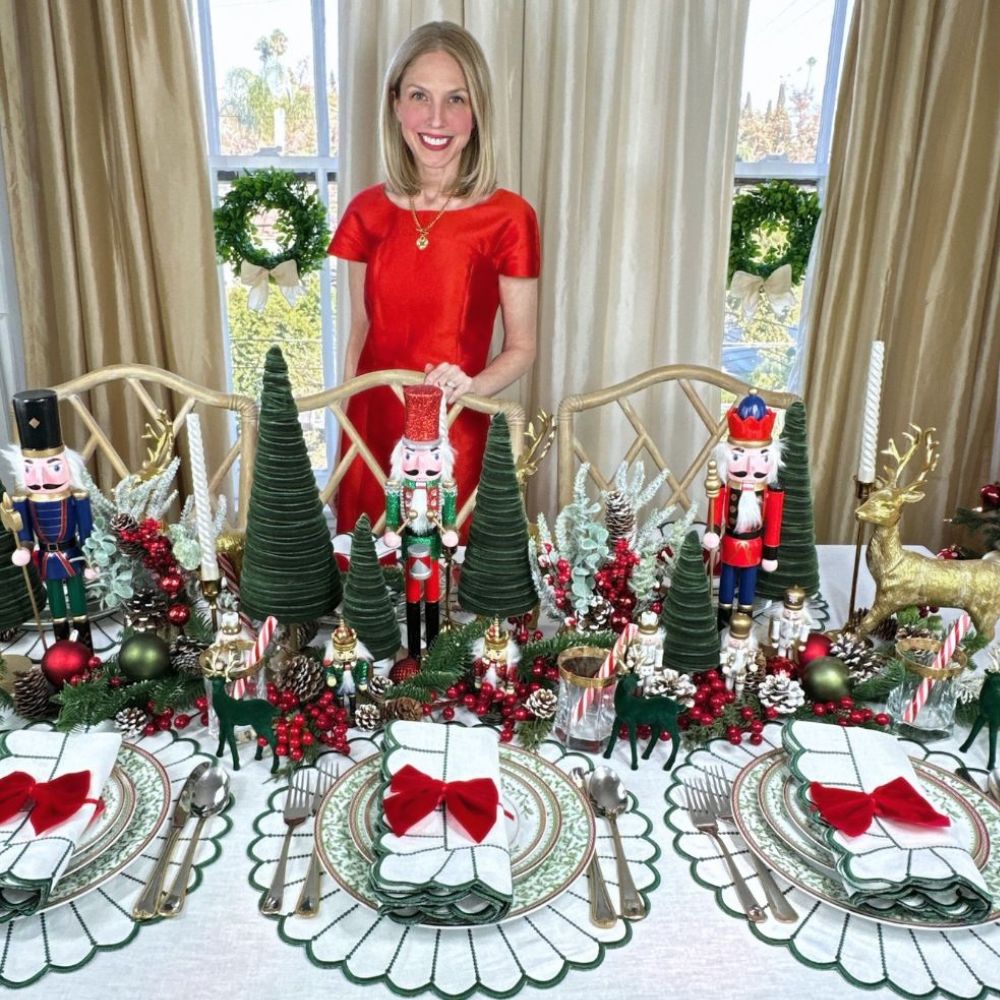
x=302 y=802
x=708 y=801
x=203 y=795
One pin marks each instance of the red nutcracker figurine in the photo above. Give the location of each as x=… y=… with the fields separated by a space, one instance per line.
x=420 y=507
x=747 y=512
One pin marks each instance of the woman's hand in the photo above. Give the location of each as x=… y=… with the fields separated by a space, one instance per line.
x=452 y=380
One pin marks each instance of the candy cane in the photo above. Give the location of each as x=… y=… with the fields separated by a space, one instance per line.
x=955 y=635
x=261 y=643
x=608 y=667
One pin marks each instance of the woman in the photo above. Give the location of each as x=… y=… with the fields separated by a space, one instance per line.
x=433 y=253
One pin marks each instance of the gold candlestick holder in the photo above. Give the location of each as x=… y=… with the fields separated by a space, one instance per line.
x=861 y=493
x=210 y=590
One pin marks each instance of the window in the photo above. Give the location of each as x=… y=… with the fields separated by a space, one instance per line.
x=790 y=70
x=268 y=71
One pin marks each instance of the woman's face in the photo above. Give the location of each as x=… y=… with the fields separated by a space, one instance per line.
x=434 y=113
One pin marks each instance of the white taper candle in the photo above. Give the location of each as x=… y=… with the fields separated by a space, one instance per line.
x=202 y=503
x=873 y=402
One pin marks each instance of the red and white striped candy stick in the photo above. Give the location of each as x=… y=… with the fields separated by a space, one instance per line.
x=955 y=635
x=261 y=643
x=608 y=668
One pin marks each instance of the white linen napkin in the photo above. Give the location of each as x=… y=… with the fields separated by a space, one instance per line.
x=436 y=872
x=31 y=863
x=892 y=864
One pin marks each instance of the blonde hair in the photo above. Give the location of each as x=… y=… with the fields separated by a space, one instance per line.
x=477 y=167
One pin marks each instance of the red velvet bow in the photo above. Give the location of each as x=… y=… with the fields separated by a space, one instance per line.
x=852 y=812
x=416 y=795
x=54 y=801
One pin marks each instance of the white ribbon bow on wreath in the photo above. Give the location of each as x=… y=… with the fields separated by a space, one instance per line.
x=285 y=275
x=777 y=287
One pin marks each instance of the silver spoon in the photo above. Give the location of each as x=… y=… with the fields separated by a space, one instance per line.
x=610 y=799
x=208 y=799
x=602 y=913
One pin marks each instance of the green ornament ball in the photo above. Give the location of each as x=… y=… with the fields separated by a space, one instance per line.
x=144 y=657
x=825 y=679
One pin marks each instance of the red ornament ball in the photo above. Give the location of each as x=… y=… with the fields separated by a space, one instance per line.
x=990 y=496
x=171 y=584
x=64 y=660
x=178 y=614
x=817 y=645
x=404 y=670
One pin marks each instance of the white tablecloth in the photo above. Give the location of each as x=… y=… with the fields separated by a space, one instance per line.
x=687 y=948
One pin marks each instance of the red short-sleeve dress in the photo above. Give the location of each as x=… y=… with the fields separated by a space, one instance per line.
x=426 y=307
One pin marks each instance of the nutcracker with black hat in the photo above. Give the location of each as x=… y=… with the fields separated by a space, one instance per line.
x=420 y=507
x=746 y=516
x=54 y=514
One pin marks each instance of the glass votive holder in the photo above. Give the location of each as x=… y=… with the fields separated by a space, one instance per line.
x=585 y=709
x=923 y=706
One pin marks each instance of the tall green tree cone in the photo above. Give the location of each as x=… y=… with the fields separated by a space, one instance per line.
x=288 y=565
x=496 y=575
x=367 y=608
x=15 y=602
x=692 y=635
x=797 y=560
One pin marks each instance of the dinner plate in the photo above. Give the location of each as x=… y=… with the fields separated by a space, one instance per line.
x=151 y=788
x=551 y=834
x=119 y=801
x=782 y=838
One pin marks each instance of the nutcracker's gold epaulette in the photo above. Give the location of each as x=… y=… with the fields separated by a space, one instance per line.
x=449 y=485
x=394 y=487
x=18 y=497
x=79 y=494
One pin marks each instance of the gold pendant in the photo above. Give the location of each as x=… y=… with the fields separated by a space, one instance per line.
x=422 y=241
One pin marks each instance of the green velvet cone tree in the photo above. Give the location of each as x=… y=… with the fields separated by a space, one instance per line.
x=288 y=565
x=692 y=635
x=367 y=608
x=797 y=561
x=496 y=575
x=15 y=603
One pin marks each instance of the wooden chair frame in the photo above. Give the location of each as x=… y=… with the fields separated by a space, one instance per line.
x=571 y=451
x=133 y=377
x=335 y=400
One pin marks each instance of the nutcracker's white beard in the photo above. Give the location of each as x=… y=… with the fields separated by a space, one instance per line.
x=748 y=514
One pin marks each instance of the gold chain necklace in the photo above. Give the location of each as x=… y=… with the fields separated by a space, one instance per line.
x=423 y=232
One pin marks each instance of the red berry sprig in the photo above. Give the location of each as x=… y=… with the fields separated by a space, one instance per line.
x=159 y=559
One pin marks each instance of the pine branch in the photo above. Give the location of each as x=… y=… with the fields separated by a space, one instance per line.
x=552 y=647
x=534 y=732
x=877 y=688
x=446 y=663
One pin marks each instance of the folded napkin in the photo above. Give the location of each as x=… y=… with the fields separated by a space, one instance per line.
x=441 y=852
x=50 y=787
x=894 y=849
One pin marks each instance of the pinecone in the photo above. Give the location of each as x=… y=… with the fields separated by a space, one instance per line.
x=304 y=677
x=670 y=684
x=861 y=660
x=619 y=517
x=598 y=615
x=915 y=632
x=185 y=654
x=541 y=703
x=120 y=522
x=130 y=722
x=146 y=611
x=781 y=692
x=408 y=709
x=368 y=717
x=10 y=634
x=378 y=687
x=31 y=695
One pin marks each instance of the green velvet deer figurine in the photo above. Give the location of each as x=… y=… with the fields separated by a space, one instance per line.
x=232 y=712
x=632 y=710
x=989 y=714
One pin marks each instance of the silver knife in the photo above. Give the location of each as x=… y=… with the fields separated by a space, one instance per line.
x=145 y=906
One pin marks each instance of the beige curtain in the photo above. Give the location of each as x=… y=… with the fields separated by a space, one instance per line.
x=909 y=253
x=618 y=122
x=103 y=137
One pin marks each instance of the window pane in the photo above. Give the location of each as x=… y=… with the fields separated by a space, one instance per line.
x=331 y=76
x=264 y=74
x=784 y=69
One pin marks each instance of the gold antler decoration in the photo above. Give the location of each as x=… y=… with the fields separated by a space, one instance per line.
x=904 y=578
x=161 y=446
x=538 y=444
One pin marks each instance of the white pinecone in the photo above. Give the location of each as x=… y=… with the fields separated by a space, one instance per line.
x=304 y=677
x=671 y=684
x=861 y=660
x=541 y=703
x=598 y=615
x=130 y=722
x=378 y=686
x=619 y=517
x=781 y=692
x=31 y=695
x=368 y=717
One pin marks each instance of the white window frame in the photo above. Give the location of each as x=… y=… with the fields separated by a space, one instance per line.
x=322 y=169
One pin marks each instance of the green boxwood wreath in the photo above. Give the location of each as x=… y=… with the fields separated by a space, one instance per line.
x=765 y=208
x=301 y=224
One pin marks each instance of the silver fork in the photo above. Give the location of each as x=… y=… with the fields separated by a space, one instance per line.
x=705 y=820
x=296 y=812
x=308 y=904
x=781 y=909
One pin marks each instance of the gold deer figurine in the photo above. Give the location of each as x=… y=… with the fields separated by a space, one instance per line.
x=905 y=578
